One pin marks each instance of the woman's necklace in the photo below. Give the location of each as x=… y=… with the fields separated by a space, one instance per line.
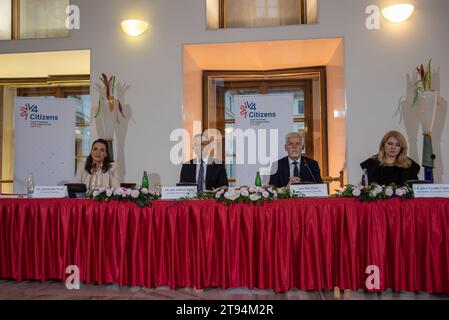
x=97 y=168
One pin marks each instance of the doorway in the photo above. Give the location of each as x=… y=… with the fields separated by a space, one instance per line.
x=219 y=89
x=218 y=69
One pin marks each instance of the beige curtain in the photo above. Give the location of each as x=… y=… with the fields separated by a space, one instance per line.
x=258 y=13
x=43 y=19
x=5 y=19
x=312 y=11
x=212 y=14
x=7 y=172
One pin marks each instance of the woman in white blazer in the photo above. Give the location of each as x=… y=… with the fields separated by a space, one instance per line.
x=98 y=171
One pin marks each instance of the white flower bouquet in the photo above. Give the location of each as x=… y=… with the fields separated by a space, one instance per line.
x=245 y=194
x=375 y=192
x=141 y=196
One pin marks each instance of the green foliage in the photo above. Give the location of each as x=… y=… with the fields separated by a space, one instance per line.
x=425 y=81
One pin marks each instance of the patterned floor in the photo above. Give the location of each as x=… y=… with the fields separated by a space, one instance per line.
x=34 y=290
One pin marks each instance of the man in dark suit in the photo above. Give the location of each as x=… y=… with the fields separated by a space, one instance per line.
x=208 y=173
x=294 y=168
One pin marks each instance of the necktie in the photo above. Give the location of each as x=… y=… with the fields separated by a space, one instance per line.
x=201 y=178
x=296 y=169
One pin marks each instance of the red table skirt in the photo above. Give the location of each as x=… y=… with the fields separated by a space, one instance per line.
x=309 y=244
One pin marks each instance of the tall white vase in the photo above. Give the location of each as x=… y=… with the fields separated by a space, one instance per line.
x=428 y=107
x=108 y=115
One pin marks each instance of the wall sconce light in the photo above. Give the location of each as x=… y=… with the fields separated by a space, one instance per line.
x=398 y=13
x=133 y=27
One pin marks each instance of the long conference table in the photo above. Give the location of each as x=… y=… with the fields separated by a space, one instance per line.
x=308 y=244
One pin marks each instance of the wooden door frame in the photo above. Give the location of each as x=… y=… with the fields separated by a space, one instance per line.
x=42 y=88
x=263 y=86
x=57 y=92
x=222 y=13
x=1 y=134
x=319 y=71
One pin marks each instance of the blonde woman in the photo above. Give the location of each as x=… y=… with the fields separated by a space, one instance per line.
x=391 y=164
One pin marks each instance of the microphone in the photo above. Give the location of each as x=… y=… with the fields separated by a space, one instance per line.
x=310 y=171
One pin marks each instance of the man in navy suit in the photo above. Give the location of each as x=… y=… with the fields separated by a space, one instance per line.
x=207 y=172
x=295 y=168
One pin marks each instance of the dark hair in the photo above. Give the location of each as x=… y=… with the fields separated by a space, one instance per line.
x=106 y=162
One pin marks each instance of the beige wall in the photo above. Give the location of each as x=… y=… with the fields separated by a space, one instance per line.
x=193 y=104
x=44 y=64
x=377 y=63
x=336 y=113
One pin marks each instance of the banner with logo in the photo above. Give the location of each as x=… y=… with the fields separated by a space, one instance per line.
x=44 y=141
x=261 y=124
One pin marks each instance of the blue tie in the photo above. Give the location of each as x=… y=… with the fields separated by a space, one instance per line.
x=201 y=177
x=295 y=169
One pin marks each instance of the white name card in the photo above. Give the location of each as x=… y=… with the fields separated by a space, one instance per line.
x=310 y=190
x=50 y=192
x=431 y=190
x=175 y=193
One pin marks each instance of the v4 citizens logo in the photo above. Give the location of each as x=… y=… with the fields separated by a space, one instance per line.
x=249 y=110
x=31 y=112
x=26 y=109
x=244 y=108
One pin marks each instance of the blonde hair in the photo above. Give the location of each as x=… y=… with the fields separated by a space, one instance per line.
x=402 y=159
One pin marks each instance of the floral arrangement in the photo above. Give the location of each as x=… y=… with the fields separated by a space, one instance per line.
x=109 y=85
x=245 y=194
x=425 y=81
x=141 y=196
x=375 y=192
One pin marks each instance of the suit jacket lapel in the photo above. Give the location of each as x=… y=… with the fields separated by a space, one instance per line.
x=209 y=173
x=285 y=171
x=192 y=170
x=303 y=172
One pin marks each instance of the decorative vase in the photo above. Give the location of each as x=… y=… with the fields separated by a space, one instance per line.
x=108 y=115
x=428 y=108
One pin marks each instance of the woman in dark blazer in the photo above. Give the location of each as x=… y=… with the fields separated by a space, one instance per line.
x=391 y=164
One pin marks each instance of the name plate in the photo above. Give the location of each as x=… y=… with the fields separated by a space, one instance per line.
x=310 y=190
x=431 y=190
x=50 y=192
x=175 y=193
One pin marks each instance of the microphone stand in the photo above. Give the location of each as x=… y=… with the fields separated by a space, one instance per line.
x=310 y=171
